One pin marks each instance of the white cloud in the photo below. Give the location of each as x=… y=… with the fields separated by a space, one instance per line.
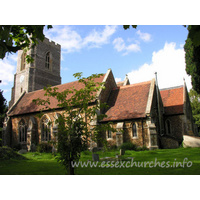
x=169 y=63
x=119 y=45
x=146 y=37
x=99 y=38
x=7 y=69
x=118 y=79
x=71 y=41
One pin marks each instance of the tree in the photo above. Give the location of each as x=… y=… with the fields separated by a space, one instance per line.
x=80 y=108
x=192 y=59
x=195 y=104
x=19 y=37
x=3 y=110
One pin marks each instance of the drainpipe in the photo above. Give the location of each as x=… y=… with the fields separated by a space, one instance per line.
x=158 y=101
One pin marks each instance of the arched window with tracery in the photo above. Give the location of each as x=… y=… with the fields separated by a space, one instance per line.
x=22 y=131
x=45 y=129
x=47 y=61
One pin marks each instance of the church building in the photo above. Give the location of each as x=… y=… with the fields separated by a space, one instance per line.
x=147 y=115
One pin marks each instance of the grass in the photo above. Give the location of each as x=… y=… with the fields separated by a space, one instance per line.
x=46 y=164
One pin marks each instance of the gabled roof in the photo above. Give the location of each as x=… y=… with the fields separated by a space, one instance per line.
x=124 y=82
x=25 y=105
x=173 y=100
x=128 y=102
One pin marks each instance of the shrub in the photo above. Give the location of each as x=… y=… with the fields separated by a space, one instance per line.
x=1 y=131
x=128 y=146
x=113 y=147
x=7 y=153
x=143 y=148
x=86 y=152
x=44 y=147
x=17 y=147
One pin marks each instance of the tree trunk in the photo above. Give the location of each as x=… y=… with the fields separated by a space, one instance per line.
x=71 y=169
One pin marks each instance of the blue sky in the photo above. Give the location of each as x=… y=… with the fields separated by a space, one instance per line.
x=94 y=49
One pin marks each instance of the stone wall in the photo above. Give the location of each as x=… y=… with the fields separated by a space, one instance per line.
x=169 y=143
x=35 y=129
x=177 y=126
x=127 y=135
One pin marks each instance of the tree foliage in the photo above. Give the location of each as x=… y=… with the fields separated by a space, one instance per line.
x=128 y=26
x=74 y=130
x=3 y=110
x=19 y=37
x=192 y=58
x=195 y=104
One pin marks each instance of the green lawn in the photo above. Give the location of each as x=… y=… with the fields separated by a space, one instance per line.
x=149 y=161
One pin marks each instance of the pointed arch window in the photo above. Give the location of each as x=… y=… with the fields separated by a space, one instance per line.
x=109 y=134
x=22 y=131
x=134 y=130
x=47 y=62
x=45 y=130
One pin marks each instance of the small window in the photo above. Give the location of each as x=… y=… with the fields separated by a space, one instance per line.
x=168 y=127
x=23 y=61
x=109 y=134
x=47 y=62
x=22 y=131
x=45 y=130
x=134 y=130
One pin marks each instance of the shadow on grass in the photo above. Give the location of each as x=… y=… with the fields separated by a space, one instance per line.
x=30 y=167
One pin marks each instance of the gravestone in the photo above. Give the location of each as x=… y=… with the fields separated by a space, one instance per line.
x=53 y=149
x=95 y=157
x=122 y=152
x=33 y=147
x=22 y=151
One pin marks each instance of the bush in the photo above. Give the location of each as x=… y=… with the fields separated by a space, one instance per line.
x=143 y=148
x=1 y=131
x=7 y=153
x=44 y=147
x=86 y=153
x=17 y=147
x=113 y=147
x=128 y=146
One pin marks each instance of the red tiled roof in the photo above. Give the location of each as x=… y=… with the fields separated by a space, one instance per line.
x=25 y=105
x=128 y=102
x=172 y=100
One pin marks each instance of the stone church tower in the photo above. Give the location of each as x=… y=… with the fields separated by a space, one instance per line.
x=45 y=70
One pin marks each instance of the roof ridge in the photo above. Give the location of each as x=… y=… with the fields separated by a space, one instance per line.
x=171 y=88
x=55 y=86
x=134 y=84
x=51 y=86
